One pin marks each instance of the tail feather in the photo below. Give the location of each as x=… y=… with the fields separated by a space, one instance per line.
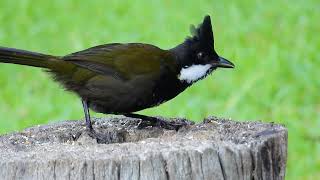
x=17 y=56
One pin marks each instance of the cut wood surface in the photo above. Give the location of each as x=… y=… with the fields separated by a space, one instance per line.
x=214 y=149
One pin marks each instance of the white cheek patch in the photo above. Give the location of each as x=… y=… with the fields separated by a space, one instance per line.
x=194 y=72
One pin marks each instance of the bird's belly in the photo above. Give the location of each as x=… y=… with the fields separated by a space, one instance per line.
x=113 y=96
x=121 y=103
x=109 y=95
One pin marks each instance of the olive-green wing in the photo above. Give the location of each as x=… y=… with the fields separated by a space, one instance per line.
x=123 y=61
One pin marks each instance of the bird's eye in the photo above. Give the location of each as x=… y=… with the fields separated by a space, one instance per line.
x=200 y=55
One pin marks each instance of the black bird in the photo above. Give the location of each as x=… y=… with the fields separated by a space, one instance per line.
x=124 y=78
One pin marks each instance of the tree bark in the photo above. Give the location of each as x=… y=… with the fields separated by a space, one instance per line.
x=214 y=149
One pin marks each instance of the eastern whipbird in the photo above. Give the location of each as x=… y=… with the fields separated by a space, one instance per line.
x=122 y=78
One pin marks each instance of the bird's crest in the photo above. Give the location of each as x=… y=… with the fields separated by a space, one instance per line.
x=203 y=33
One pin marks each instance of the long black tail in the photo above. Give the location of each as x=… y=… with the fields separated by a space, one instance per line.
x=17 y=56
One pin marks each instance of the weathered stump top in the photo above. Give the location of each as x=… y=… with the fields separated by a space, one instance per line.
x=214 y=149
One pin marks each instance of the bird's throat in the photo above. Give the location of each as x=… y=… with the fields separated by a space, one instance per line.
x=194 y=73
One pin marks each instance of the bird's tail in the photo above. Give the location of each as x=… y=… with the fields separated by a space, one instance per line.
x=17 y=56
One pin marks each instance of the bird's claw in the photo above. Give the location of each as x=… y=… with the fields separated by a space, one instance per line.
x=99 y=137
x=170 y=125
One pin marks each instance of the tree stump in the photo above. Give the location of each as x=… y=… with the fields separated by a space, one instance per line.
x=214 y=149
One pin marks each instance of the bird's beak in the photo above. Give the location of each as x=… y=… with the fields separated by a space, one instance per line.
x=224 y=63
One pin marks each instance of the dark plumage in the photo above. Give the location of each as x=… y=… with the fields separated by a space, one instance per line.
x=124 y=78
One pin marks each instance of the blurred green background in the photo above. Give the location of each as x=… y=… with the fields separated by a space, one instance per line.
x=274 y=45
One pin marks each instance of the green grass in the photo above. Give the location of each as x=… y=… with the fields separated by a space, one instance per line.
x=274 y=44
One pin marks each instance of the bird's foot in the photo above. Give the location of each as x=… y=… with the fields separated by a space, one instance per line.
x=99 y=137
x=158 y=122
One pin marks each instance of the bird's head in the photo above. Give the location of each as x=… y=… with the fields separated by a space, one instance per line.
x=196 y=56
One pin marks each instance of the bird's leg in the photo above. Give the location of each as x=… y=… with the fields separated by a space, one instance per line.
x=87 y=115
x=101 y=138
x=154 y=121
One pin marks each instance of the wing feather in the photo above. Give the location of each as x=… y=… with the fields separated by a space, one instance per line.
x=123 y=61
